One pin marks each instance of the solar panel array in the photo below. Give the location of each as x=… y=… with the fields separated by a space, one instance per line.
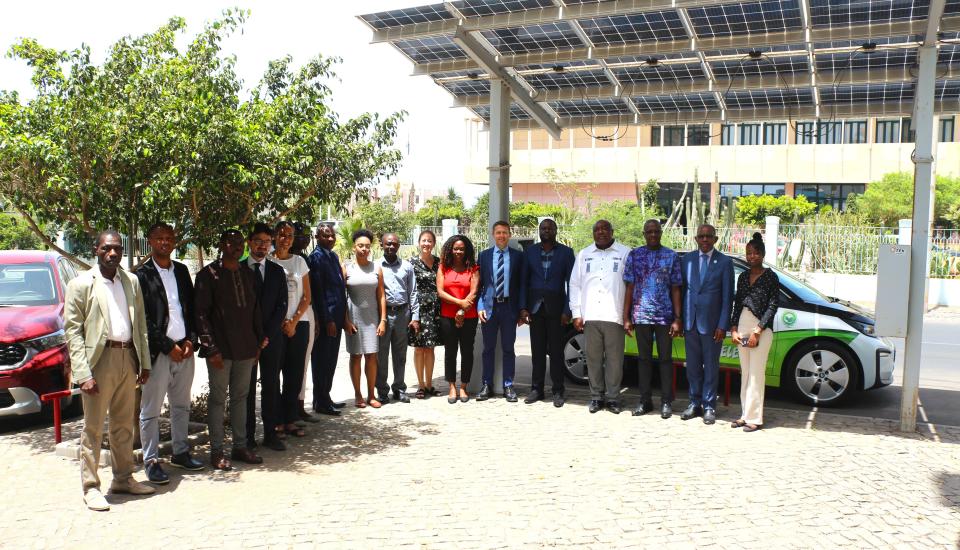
x=571 y=49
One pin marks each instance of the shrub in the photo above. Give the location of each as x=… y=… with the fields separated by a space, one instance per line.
x=754 y=209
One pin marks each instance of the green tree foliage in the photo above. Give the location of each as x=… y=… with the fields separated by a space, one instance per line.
x=16 y=234
x=627 y=219
x=526 y=214
x=436 y=209
x=891 y=199
x=159 y=132
x=382 y=217
x=754 y=209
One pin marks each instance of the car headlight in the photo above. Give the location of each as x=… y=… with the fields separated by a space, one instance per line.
x=867 y=329
x=49 y=341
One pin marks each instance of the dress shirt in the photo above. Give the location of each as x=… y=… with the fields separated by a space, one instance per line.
x=263 y=268
x=400 y=285
x=596 y=284
x=120 y=329
x=176 y=326
x=497 y=251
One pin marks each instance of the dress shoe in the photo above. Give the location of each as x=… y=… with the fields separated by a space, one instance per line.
x=131 y=487
x=401 y=396
x=510 y=394
x=614 y=407
x=534 y=396
x=187 y=462
x=340 y=405
x=558 y=400
x=383 y=398
x=328 y=410
x=246 y=455
x=94 y=500
x=452 y=400
x=709 y=416
x=485 y=393
x=692 y=411
x=156 y=475
x=642 y=409
x=595 y=405
x=252 y=444
x=274 y=444
x=219 y=462
x=666 y=411
x=307 y=417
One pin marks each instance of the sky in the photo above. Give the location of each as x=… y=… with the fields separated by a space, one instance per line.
x=373 y=77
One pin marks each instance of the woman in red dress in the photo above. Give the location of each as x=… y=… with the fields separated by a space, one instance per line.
x=457 y=281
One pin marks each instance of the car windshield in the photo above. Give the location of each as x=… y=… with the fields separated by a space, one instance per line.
x=27 y=285
x=800 y=289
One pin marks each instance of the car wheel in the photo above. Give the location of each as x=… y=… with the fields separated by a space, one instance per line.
x=575 y=359
x=822 y=373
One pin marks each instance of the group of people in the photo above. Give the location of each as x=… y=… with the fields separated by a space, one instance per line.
x=278 y=314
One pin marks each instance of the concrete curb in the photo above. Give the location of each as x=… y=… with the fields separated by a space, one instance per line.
x=71 y=449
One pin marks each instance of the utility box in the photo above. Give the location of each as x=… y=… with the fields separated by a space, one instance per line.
x=893 y=290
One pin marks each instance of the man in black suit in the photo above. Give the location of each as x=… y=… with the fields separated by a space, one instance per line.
x=548 y=267
x=271 y=287
x=329 y=306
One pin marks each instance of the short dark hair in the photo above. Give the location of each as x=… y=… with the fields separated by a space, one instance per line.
x=384 y=236
x=299 y=228
x=260 y=228
x=469 y=253
x=229 y=233
x=158 y=225
x=324 y=226
x=362 y=233
x=757 y=243
x=501 y=223
x=548 y=220
x=104 y=233
x=285 y=223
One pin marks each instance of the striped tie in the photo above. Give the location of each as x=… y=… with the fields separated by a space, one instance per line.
x=500 y=274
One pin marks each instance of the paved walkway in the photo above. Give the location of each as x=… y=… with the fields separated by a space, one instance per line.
x=501 y=475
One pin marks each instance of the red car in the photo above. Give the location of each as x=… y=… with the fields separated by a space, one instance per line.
x=33 y=350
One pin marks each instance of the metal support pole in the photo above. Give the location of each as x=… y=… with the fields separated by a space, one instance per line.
x=923 y=189
x=499 y=152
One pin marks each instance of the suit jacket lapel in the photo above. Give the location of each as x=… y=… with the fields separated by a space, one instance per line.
x=131 y=302
x=695 y=277
x=100 y=293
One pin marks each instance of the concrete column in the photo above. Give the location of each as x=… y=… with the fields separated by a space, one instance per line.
x=499 y=152
x=770 y=235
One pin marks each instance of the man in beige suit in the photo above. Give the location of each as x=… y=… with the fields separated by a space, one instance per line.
x=106 y=330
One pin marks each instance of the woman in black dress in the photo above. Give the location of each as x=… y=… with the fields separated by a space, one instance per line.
x=428 y=337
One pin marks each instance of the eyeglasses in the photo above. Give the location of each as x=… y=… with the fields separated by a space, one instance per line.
x=261 y=242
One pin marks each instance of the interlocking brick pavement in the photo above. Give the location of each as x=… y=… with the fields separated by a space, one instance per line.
x=502 y=475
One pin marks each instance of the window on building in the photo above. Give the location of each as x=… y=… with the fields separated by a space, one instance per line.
x=774 y=133
x=856 y=131
x=806 y=133
x=946 y=129
x=728 y=135
x=833 y=195
x=746 y=189
x=656 y=132
x=673 y=136
x=698 y=134
x=750 y=134
x=907 y=133
x=888 y=131
x=830 y=132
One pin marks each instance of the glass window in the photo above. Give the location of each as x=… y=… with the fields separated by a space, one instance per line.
x=907 y=133
x=698 y=134
x=856 y=131
x=728 y=134
x=806 y=133
x=27 y=285
x=888 y=131
x=673 y=136
x=775 y=133
x=946 y=129
x=655 y=134
x=750 y=134
x=829 y=132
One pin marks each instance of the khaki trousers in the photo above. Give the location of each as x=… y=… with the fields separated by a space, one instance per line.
x=116 y=377
x=753 y=366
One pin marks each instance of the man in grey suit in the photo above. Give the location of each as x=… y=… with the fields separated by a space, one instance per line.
x=707 y=298
x=106 y=331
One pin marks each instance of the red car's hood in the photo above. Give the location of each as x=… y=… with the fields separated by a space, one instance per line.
x=23 y=323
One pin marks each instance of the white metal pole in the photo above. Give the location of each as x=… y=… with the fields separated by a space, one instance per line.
x=499 y=152
x=923 y=189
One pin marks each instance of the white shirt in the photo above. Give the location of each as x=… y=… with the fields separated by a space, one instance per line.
x=294 y=268
x=176 y=327
x=120 y=329
x=596 y=284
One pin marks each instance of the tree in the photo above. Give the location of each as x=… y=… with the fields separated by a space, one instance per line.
x=626 y=217
x=382 y=217
x=891 y=199
x=646 y=192
x=754 y=209
x=160 y=133
x=568 y=186
x=436 y=209
x=15 y=234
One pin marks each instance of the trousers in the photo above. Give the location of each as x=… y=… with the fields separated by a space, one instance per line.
x=235 y=377
x=116 y=377
x=394 y=340
x=171 y=380
x=458 y=338
x=753 y=367
x=604 y=351
x=645 y=339
x=546 y=338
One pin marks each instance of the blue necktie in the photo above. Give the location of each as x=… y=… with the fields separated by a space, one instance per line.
x=499 y=279
x=703 y=266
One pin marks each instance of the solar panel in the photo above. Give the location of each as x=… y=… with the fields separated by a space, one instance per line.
x=879 y=40
x=681 y=102
x=659 y=73
x=472 y=8
x=407 y=16
x=746 y=18
x=458 y=74
x=590 y=107
x=952 y=7
x=948 y=90
x=949 y=54
x=758 y=48
x=824 y=13
x=554 y=80
x=516 y=112
x=548 y=36
x=860 y=59
x=867 y=93
x=467 y=87
x=761 y=99
x=747 y=66
x=431 y=48
x=558 y=64
x=639 y=27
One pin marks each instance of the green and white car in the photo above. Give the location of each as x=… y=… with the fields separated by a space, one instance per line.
x=824 y=349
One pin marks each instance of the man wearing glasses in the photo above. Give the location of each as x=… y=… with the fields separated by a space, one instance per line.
x=708 y=293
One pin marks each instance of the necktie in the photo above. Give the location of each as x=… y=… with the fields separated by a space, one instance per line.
x=499 y=279
x=256 y=269
x=703 y=266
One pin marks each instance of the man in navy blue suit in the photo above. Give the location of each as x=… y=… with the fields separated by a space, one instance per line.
x=502 y=296
x=547 y=310
x=707 y=296
x=329 y=308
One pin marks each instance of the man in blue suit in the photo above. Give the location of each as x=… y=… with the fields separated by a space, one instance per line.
x=502 y=296
x=707 y=297
x=329 y=307
x=548 y=266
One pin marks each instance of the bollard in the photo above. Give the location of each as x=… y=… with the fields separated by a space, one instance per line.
x=56 y=397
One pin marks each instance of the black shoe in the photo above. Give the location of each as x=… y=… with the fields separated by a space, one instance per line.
x=595 y=405
x=274 y=443
x=246 y=455
x=642 y=409
x=692 y=411
x=451 y=400
x=252 y=444
x=558 y=400
x=534 y=396
x=510 y=394
x=156 y=475
x=485 y=393
x=307 y=417
x=339 y=405
x=401 y=396
x=709 y=416
x=666 y=411
x=328 y=410
x=614 y=407
x=187 y=462
x=383 y=398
